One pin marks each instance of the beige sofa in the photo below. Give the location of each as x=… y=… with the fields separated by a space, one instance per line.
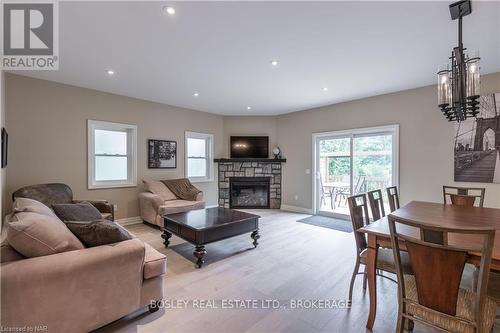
x=157 y=200
x=80 y=290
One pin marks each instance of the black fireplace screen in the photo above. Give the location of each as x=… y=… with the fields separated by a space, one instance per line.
x=249 y=192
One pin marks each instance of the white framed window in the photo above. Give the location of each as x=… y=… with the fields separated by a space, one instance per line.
x=199 y=162
x=112 y=154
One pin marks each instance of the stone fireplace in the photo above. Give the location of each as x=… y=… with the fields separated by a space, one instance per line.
x=249 y=183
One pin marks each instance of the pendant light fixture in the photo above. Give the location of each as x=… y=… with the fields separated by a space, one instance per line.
x=458 y=82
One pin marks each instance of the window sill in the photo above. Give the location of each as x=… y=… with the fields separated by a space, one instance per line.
x=194 y=180
x=107 y=186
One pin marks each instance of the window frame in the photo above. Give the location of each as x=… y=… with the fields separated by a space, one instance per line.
x=131 y=130
x=392 y=129
x=209 y=149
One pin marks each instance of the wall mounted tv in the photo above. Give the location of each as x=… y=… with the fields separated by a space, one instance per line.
x=249 y=146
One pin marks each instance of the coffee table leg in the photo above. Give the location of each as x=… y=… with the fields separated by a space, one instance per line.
x=255 y=236
x=199 y=253
x=166 y=236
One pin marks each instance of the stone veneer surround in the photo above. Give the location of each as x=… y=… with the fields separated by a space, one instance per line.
x=271 y=169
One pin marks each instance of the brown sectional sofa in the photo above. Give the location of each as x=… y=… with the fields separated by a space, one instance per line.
x=157 y=200
x=79 y=290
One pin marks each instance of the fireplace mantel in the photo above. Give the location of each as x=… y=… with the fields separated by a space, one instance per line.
x=261 y=160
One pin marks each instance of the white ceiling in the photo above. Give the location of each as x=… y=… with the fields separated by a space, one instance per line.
x=223 y=50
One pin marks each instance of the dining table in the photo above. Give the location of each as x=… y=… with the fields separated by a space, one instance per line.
x=444 y=215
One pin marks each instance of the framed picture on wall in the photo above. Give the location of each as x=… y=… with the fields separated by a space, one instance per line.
x=162 y=154
x=5 y=146
x=477 y=144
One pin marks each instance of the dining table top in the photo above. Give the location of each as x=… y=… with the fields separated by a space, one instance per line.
x=444 y=215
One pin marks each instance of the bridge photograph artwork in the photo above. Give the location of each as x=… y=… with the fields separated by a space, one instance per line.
x=477 y=143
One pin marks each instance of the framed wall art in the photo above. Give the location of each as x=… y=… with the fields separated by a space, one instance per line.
x=162 y=154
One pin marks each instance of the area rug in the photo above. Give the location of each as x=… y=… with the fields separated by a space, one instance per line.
x=328 y=222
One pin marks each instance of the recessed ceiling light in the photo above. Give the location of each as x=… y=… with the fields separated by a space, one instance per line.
x=169 y=10
x=249 y=108
x=110 y=72
x=324 y=88
x=274 y=63
x=196 y=94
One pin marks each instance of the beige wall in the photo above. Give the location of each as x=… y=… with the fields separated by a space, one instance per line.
x=426 y=141
x=46 y=132
x=248 y=125
x=48 y=136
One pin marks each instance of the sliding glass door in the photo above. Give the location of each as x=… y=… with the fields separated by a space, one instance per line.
x=333 y=173
x=352 y=162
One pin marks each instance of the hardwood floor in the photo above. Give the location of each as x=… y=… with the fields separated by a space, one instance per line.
x=294 y=261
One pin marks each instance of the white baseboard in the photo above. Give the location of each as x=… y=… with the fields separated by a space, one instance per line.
x=138 y=219
x=129 y=220
x=296 y=209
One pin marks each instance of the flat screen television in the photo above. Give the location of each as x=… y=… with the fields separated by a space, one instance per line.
x=249 y=147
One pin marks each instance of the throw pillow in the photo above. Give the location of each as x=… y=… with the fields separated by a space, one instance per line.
x=31 y=206
x=82 y=211
x=8 y=253
x=160 y=189
x=36 y=235
x=100 y=232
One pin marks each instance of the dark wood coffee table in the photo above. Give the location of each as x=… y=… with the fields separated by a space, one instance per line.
x=204 y=226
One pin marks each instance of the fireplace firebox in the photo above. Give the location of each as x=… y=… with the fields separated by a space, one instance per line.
x=249 y=192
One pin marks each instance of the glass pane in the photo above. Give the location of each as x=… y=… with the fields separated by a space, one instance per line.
x=196 y=147
x=110 y=168
x=110 y=142
x=341 y=147
x=197 y=167
x=372 y=163
x=335 y=171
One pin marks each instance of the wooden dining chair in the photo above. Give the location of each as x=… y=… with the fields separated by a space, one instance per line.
x=385 y=261
x=376 y=202
x=464 y=196
x=393 y=198
x=432 y=296
x=493 y=285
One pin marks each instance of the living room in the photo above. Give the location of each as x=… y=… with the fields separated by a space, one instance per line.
x=202 y=164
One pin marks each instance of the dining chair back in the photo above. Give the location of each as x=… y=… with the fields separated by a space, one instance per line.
x=464 y=196
x=393 y=198
x=433 y=295
x=359 y=217
x=360 y=185
x=462 y=200
x=376 y=204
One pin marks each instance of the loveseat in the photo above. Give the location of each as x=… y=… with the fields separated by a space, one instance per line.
x=78 y=290
x=158 y=200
